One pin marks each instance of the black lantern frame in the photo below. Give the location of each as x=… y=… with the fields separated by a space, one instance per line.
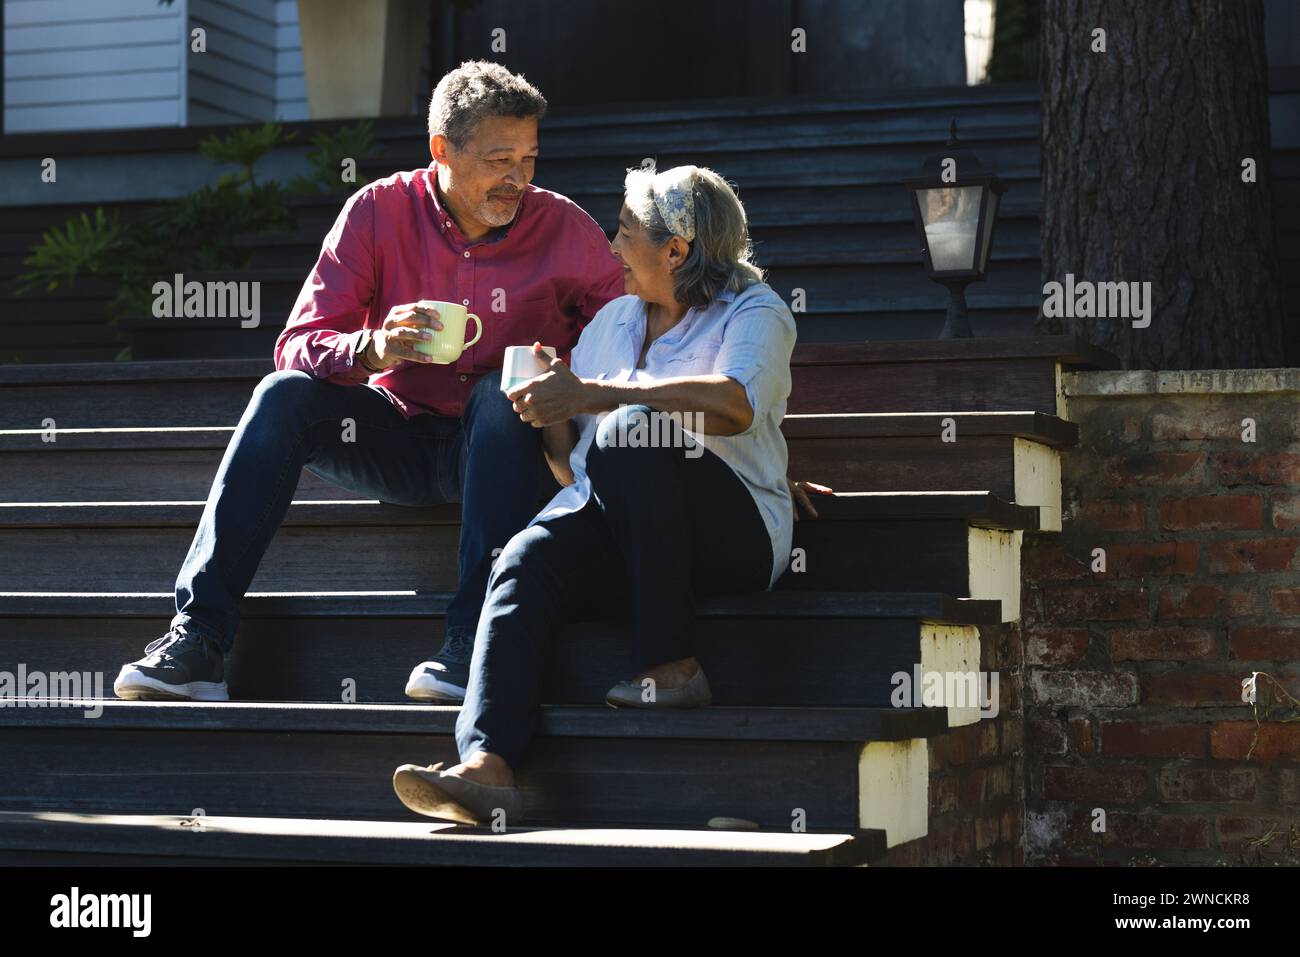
x=969 y=173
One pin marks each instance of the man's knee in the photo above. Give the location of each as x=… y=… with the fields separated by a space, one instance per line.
x=285 y=388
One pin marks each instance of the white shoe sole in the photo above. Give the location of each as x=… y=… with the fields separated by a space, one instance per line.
x=426 y=687
x=133 y=685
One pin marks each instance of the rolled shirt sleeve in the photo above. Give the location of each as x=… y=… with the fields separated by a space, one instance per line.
x=327 y=320
x=756 y=347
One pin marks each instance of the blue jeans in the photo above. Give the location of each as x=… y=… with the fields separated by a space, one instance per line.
x=488 y=460
x=660 y=529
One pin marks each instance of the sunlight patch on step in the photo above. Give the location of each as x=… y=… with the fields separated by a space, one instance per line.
x=993 y=555
x=894 y=789
x=1037 y=470
x=953 y=649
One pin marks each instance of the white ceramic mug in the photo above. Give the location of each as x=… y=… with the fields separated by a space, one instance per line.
x=520 y=365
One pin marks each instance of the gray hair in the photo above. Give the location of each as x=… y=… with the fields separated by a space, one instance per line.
x=479 y=88
x=721 y=254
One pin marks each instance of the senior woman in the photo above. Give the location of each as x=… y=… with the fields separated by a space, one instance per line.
x=666 y=435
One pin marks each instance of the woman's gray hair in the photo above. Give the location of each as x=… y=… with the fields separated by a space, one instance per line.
x=479 y=88
x=705 y=211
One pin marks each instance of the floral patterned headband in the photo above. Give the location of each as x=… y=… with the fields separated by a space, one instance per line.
x=674 y=196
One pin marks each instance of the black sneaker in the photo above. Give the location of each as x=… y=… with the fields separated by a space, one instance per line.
x=179 y=665
x=444 y=677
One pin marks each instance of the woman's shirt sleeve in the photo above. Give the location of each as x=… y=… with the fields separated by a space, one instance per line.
x=756 y=347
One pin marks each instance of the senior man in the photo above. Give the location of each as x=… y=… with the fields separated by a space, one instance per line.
x=469 y=229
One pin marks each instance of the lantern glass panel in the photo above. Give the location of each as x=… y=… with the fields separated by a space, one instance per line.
x=951 y=216
x=987 y=237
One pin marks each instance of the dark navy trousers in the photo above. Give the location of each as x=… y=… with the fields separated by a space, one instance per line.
x=488 y=460
x=661 y=528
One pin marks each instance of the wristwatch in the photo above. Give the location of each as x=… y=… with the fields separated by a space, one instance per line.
x=363 y=344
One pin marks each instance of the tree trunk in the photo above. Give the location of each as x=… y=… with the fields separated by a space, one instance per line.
x=1142 y=177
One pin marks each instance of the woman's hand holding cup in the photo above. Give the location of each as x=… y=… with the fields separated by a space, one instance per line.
x=403 y=327
x=555 y=396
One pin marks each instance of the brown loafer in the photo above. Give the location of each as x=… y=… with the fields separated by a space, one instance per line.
x=435 y=793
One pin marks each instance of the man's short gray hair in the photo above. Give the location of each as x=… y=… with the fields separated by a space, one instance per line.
x=721 y=255
x=479 y=88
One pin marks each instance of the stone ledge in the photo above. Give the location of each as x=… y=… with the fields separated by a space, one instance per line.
x=1208 y=382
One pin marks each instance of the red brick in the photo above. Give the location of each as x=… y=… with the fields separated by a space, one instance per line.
x=1211 y=513
x=961 y=745
x=986 y=831
x=1206 y=785
x=1245 y=602
x=1234 y=830
x=1190 y=601
x=938 y=748
x=1109 y=516
x=1044 y=559
x=1141 y=830
x=1081 y=737
x=1055 y=646
x=1289 y=786
x=1264 y=643
x=1142 y=739
x=1110 y=785
x=1243 y=556
x=1154 y=468
x=1157 y=558
x=1285 y=601
x=1161 y=644
x=1181 y=689
x=970 y=789
x=1013 y=735
x=1258 y=468
x=1131 y=430
x=1277 y=741
x=1068 y=604
x=997 y=782
x=988 y=738
x=1046 y=735
x=943 y=794
x=1286 y=511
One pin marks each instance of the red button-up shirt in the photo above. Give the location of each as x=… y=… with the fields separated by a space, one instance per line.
x=542 y=278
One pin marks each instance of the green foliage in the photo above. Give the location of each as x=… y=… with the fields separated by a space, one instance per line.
x=194 y=233
x=1016 y=26
x=326 y=160
x=245 y=146
x=81 y=247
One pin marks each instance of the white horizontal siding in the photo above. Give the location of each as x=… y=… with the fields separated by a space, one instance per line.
x=92 y=64
x=290 y=78
x=235 y=77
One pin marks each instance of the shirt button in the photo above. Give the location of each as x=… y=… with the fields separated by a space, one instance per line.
x=465 y=302
x=467 y=254
x=464 y=378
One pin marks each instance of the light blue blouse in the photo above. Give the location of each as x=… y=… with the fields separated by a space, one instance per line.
x=747 y=336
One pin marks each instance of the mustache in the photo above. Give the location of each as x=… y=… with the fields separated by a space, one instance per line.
x=506 y=194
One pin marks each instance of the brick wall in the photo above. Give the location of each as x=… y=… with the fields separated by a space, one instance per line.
x=977 y=776
x=1133 y=674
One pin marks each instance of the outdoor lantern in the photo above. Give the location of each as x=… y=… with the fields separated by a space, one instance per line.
x=954 y=204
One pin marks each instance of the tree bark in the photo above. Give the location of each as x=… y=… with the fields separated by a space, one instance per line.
x=1142 y=176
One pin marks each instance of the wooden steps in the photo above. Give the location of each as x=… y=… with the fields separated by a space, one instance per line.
x=64 y=837
x=597 y=766
x=963 y=545
x=310 y=646
x=1013 y=374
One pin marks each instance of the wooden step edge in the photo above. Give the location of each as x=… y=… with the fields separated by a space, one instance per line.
x=1068 y=350
x=978 y=508
x=1040 y=427
x=720 y=723
x=420 y=842
x=921 y=606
